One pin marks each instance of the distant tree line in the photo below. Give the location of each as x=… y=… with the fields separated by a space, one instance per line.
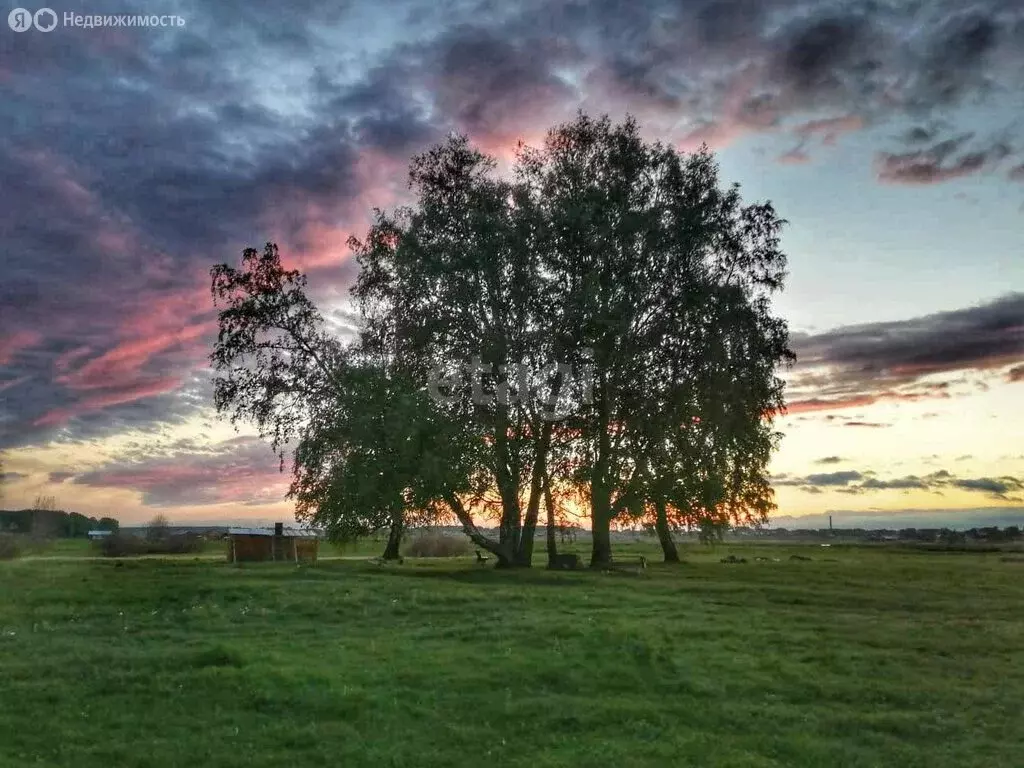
x=592 y=332
x=45 y=520
x=941 y=535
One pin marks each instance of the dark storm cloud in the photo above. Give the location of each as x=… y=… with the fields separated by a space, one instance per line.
x=953 y=64
x=816 y=55
x=135 y=170
x=490 y=86
x=139 y=157
x=864 y=364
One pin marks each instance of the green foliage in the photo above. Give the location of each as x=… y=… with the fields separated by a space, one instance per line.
x=52 y=523
x=157 y=529
x=368 y=450
x=612 y=300
x=616 y=257
x=274 y=360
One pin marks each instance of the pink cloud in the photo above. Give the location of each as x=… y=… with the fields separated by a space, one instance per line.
x=16 y=342
x=117 y=396
x=795 y=156
x=860 y=401
x=829 y=128
x=127 y=359
x=240 y=471
x=739 y=113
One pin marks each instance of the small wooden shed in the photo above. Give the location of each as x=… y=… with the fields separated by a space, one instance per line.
x=298 y=545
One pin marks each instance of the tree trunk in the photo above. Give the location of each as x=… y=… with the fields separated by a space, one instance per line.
x=601 y=546
x=507 y=480
x=393 y=549
x=668 y=545
x=600 y=490
x=504 y=555
x=549 y=504
x=524 y=553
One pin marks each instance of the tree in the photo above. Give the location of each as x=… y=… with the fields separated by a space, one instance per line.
x=364 y=451
x=46 y=519
x=596 y=324
x=456 y=282
x=380 y=459
x=158 y=529
x=45 y=503
x=657 y=276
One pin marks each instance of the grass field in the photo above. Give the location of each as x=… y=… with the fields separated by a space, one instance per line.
x=857 y=658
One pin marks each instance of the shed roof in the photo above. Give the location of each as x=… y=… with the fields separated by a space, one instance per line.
x=288 y=533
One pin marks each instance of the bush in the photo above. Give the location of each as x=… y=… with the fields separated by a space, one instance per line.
x=119 y=545
x=434 y=544
x=125 y=545
x=10 y=546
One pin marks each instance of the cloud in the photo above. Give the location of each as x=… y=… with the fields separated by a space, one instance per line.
x=833 y=478
x=940 y=162
x=829 y=129
x=1016 y=173
x=829 y=460
x=954 y=59
x=858 y=482
x=139 y=160
x=856 y=366
x=1015 y=374
x=997 y=487
x=795 y=156
x=243 y=471
x=16 y=342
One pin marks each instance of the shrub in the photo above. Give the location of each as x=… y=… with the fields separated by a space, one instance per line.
x=125 y=545
x=10 y=546
x=120 y=545
x=436 y=544
x=177 y=544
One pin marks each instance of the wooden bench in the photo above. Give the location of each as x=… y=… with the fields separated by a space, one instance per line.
x=481 y=558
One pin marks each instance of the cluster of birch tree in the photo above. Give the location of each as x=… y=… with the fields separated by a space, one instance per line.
x=589 y=330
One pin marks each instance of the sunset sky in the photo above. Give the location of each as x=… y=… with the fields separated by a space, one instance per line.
x=890 y=135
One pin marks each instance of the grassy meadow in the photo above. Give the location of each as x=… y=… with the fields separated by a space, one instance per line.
x=859 y=657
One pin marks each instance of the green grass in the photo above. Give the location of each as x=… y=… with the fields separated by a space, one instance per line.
x=868 y=658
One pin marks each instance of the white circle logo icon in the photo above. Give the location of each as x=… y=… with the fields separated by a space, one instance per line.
x=45 y=20
x=19 y=20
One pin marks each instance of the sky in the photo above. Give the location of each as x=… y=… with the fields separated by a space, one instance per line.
x=890 y=135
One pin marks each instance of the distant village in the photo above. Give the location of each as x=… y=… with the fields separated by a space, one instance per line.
x=46 y=522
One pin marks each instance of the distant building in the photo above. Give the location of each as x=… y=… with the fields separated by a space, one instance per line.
x=97 y=535
x=299 y=545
